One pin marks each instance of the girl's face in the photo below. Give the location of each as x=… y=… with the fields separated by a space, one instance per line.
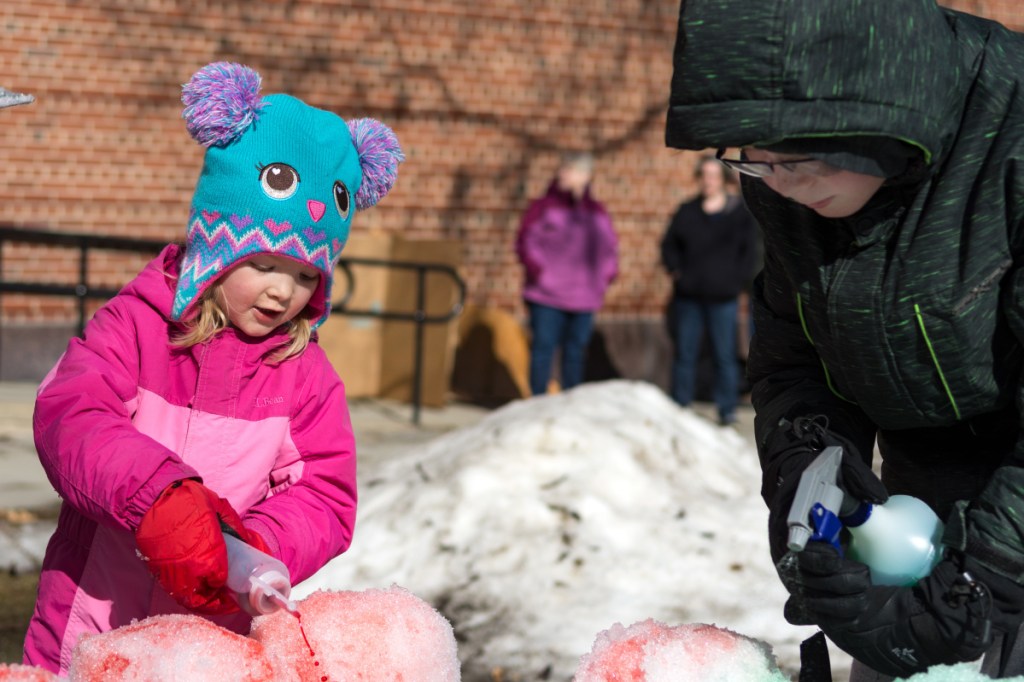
x=837 y=195
x=266 y=291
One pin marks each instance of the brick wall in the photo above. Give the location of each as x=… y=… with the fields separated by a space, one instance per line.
x=483 y=94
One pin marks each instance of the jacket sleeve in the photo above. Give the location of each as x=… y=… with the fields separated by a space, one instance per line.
x=671 y=253
x=529 y=254
x=609 y=248
x=96 y=459
x=787 y=377
x=309 y=516
x=991 y=528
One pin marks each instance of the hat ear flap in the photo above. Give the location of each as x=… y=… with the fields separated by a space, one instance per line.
x=221 y=101
x=379 y=156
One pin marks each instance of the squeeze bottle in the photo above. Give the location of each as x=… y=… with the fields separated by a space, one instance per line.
x=900 y=540
x=260 y=582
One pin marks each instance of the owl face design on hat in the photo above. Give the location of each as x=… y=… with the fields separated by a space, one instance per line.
x=279 y=177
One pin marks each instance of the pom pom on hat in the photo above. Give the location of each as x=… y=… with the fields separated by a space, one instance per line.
x=379 y=156
x=221 y=101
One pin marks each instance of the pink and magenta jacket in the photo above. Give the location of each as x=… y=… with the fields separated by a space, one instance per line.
x=569 y=251
x=124 y=414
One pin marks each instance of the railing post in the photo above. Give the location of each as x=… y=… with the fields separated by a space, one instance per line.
x=82 y=288
x=420 y=317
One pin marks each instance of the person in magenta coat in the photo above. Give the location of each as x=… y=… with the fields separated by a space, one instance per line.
x=198 y=402
x=569 y=252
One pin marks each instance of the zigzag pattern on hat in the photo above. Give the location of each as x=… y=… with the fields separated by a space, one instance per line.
x=215 y=243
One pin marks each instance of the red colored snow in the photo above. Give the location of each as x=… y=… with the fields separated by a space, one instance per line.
x=25 y=673
x=169 y=647
x=375 y=635
x=650 y=651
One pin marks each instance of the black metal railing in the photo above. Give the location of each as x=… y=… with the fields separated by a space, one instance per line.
x=82 y=291
x=418 y=315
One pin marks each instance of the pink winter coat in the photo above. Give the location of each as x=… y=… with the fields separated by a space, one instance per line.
x=124 y=414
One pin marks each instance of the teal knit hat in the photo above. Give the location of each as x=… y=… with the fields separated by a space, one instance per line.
x=279 y=177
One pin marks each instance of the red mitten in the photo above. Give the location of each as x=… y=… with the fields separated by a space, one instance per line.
x=182 y=542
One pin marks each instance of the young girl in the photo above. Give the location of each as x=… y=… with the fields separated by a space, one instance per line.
x=197 y=401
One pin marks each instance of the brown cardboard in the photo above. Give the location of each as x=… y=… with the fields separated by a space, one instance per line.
x=492 y=358
x=374 y=357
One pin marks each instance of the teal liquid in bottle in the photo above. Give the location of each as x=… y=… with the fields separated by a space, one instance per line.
x=900 y=541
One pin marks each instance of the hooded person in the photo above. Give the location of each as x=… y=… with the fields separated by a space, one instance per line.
x=198 y=401
x=881 y=144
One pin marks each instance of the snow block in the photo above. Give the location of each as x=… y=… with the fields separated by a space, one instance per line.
x=166 y=648
x=382 y=635
x=650 y=651
x=25 y=673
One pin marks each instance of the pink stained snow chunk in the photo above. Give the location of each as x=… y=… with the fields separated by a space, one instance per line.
x=15 y=672
x=378 y=635
x=650 y=651
x=169 y=647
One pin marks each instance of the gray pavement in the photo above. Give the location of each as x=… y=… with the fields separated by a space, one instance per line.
x=28 y=503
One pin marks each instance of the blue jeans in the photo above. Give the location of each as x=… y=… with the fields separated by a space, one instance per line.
x=550 y=329
x=689 y=318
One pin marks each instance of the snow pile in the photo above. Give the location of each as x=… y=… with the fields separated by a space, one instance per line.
x=377 y=634
x=25 y=673
x=558 y=516
x=170 y=647
x=373 y=635
x=650 y=651
x=962 y=672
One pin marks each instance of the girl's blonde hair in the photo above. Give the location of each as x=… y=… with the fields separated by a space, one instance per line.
x=210 y=319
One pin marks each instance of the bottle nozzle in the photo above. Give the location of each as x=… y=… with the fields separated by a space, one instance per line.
x=273 y=595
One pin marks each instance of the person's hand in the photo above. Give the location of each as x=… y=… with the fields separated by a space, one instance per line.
x=181 y=539
x=945 y=618
x=791 y=450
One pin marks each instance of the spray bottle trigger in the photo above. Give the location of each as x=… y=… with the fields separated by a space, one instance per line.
x=827 y=526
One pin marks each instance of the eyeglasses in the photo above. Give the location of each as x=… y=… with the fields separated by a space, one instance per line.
x=764 y=169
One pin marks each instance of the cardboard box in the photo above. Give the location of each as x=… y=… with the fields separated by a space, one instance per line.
x=376 y=357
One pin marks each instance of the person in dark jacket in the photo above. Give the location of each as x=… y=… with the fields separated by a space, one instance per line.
x=569 y=252
x=708 y=251
x=882 y=143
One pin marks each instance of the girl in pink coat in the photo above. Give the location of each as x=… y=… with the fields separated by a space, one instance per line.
x=197 y=401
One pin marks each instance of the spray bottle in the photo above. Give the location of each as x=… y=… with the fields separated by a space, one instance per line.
x=900 y=540
x=260 y=582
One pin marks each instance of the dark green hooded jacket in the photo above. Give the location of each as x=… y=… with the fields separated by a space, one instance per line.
x=906 y=319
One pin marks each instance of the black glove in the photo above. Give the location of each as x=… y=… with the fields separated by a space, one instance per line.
x=1007 y=594
x=943 y=619
x=790 y=451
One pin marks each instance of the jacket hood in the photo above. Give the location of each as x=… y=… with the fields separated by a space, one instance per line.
x=155 y=284
x=757 y=72
x=556 y=194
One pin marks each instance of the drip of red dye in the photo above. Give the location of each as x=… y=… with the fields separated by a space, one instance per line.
x=312 y=653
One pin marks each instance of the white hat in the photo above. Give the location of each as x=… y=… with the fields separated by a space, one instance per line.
x=10 y=99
